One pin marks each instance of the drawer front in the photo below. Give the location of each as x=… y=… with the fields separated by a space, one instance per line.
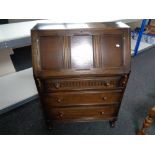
x=83 y=98
x=87 y=113
x=115 y=82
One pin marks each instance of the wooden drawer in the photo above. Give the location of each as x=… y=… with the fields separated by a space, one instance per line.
x=83 y=98
x=85 y=113
x=114 y=82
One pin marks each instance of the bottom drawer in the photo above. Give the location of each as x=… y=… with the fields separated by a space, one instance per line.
x=83 y=113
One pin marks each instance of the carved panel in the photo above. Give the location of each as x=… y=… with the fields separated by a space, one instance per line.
x=51 y=50
x=72 y=84
x=124 y=80
x=108 y=50
x=81 y=52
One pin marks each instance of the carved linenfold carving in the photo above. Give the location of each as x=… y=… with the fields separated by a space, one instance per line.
x=66 y=52
x=96 y=49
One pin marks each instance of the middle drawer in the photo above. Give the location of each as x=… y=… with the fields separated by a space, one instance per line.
x=82 y=98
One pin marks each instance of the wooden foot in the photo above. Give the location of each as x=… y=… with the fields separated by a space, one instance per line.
x=112 y=123
x=148 y=121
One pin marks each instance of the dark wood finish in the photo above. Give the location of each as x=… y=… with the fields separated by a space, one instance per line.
x=148 y=121
x=82 y=98
x=81 y=70
x=81 y=52
x=115 y=82
x=82 y=113
x=51 y=49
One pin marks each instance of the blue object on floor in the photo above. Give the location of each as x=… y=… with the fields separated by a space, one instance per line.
x=140 y=36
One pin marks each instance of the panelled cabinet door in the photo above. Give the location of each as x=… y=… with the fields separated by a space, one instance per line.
x=112 y=50
x=108 y=51
x=82 y=52
x=51 y=52
x=97 y=51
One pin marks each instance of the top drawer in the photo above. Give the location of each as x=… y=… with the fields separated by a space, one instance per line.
x=115 y=82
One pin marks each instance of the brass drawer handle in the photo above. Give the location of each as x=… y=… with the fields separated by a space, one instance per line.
x=102 y=112
x=104 y=98
x=57 y=85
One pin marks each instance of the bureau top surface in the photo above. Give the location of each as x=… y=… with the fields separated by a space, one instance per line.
x=67 y=26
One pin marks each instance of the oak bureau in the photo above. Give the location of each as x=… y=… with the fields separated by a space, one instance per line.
x=81 y=70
